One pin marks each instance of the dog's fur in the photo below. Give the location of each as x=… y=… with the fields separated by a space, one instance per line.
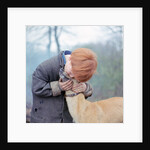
x=103 y=111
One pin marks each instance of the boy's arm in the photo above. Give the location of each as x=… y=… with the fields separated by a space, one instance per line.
x=84 y=88
x=41 y=85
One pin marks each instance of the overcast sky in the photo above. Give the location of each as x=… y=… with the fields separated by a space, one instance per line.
x=81 y=35
x=74 y=35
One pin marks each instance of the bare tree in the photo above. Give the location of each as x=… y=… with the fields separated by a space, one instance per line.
x=114 y=29
x=50 y=41
x=57 y=38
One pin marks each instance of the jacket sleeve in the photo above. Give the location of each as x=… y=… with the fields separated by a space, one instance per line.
x=41 y=84
x=89 y=91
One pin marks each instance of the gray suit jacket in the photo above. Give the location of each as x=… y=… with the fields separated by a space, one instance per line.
x=49 y=104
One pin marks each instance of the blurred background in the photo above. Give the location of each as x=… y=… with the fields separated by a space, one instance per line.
x=44 y=42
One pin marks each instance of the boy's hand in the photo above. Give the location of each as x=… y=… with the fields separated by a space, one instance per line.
x=80 y=87
x=65 y=86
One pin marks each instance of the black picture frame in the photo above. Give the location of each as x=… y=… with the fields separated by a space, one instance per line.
x=4 y=39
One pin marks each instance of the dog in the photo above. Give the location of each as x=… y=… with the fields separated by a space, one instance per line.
x=103 y=111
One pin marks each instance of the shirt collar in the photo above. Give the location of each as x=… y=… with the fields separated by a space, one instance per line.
x=62 y=57
x=61 y=61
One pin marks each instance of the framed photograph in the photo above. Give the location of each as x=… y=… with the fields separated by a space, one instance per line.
x=114 y=34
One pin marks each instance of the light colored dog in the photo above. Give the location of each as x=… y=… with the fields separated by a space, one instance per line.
x=103 y=111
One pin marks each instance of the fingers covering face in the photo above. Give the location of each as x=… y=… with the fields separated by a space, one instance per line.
x=79 y=87
x=67 y=85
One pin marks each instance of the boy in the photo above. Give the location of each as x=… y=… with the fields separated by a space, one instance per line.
x=49 y=104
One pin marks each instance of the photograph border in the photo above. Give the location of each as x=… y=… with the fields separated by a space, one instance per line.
x=4 y=44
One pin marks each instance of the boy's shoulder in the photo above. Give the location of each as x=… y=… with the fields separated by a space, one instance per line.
x=54 y=59
x=54 y=62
